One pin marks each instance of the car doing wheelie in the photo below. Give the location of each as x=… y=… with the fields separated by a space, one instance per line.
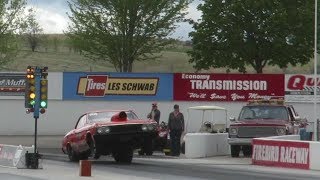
x=261 y=118
x=109 y=132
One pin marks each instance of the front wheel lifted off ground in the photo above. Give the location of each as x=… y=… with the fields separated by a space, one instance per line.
x=124 y=155
x=92 y=152
x=72 y=154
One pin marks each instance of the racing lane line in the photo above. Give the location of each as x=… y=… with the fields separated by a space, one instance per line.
x=226 y=170
x=169 y=169
x=207 y=172
x=8 y=176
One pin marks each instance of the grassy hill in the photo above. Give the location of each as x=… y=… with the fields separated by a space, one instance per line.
x=59 y=57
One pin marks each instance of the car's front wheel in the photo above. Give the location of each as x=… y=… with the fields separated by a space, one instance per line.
x=123 y=155
x=92 y=152
x=140 y=152
x=72 y=154
x=147 y=147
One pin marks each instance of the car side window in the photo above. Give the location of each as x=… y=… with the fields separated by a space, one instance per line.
x=82 y=122
x=131 y=115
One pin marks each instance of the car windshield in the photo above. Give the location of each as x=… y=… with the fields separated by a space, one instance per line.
x=106 y=116
x=263 y=112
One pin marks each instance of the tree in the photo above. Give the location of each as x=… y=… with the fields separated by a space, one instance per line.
x=123 y=31
x=11 y=24
x=238 y=33
x=34 y=33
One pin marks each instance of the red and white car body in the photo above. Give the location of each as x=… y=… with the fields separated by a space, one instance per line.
x=103 y=133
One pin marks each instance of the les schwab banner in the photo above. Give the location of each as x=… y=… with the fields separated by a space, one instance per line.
x=226 y=87
x=117 y=86
x=279 y=153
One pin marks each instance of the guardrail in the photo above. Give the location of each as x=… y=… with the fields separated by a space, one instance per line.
x=15 y=156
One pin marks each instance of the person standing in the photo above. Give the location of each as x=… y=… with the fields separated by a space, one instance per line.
x=155 y=113
x=176 y=127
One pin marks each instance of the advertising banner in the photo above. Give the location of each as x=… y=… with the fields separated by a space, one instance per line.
x=117 y=86
x=12 y=84
x=300 y=88
x=288 y=154
x=226 y=87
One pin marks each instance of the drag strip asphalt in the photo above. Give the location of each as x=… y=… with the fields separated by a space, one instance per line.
x=163 y=167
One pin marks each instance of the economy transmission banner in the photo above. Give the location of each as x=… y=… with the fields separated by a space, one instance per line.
x=227 y=87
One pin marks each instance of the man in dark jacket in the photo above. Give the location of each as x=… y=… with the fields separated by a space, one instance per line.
x=176 y=127
x=155 y=113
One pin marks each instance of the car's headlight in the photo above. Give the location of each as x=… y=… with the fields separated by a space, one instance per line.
x=148 y=127
x=281 y=131
x=103 y=130
x=233 y=131
x=144 y=127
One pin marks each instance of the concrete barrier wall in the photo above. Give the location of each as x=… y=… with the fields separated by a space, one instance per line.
x=314 y=155
x=198 y=145
x=14 y=156
x=285 y=137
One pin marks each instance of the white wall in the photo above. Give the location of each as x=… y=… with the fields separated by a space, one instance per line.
x=314 y=155
x=61 y=116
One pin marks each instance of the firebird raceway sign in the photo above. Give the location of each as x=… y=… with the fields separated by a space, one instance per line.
x=117 y=86
x=281 y=153
x=226 y=87
x=12 y=84
x=300 y=88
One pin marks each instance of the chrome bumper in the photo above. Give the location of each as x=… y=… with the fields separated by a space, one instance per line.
x=239 y=141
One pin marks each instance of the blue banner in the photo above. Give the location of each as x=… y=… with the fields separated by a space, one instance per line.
x=117 y=86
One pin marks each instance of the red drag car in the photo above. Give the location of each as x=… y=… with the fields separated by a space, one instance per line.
x=109 y=132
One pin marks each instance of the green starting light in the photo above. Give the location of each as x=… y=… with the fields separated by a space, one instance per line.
x=43 y=104
x=33 y=102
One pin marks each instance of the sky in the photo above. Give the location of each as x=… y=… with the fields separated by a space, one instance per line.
x=52 y=17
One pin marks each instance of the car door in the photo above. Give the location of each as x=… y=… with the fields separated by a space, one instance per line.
x=79 y=131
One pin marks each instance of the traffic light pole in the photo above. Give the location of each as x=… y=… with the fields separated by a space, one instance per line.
x=35 y=98
x=36 y=106
x=35 y=134
x=36 y=116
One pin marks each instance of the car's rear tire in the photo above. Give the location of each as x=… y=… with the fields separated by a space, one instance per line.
x=247 y=151
x=235 y=150
x=73 y=157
